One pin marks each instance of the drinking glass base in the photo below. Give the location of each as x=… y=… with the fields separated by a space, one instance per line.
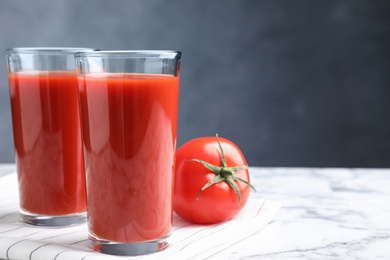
x=53 y=221
x=128 y=249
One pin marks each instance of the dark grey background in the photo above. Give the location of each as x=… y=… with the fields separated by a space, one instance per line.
x=293 y=83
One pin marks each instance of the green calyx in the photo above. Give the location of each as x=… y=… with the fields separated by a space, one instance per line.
x=223 y=173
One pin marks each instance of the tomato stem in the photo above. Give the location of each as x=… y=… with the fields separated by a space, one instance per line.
x=223 y=173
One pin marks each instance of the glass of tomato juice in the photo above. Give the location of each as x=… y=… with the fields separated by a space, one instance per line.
x=46 y=127
x=129 y=109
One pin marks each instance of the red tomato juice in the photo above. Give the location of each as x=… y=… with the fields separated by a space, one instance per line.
x=48 y=147
x=129 y=131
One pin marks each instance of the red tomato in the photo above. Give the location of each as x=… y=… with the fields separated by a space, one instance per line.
x=201 y=162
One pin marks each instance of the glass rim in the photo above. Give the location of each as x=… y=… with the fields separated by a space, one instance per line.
x=48 y=50
x=131 y=53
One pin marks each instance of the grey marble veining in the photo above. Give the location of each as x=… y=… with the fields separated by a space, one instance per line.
x=325 y=214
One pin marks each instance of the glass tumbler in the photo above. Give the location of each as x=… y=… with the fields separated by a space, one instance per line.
x=129 y=109
x=47 y=137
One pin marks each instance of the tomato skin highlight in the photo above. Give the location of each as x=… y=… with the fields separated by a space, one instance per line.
x=218 y=202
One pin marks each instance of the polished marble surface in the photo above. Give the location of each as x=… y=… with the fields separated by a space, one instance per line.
x=325 y=214
x=6 y=168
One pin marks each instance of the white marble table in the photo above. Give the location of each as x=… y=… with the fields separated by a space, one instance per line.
x=325 y=214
